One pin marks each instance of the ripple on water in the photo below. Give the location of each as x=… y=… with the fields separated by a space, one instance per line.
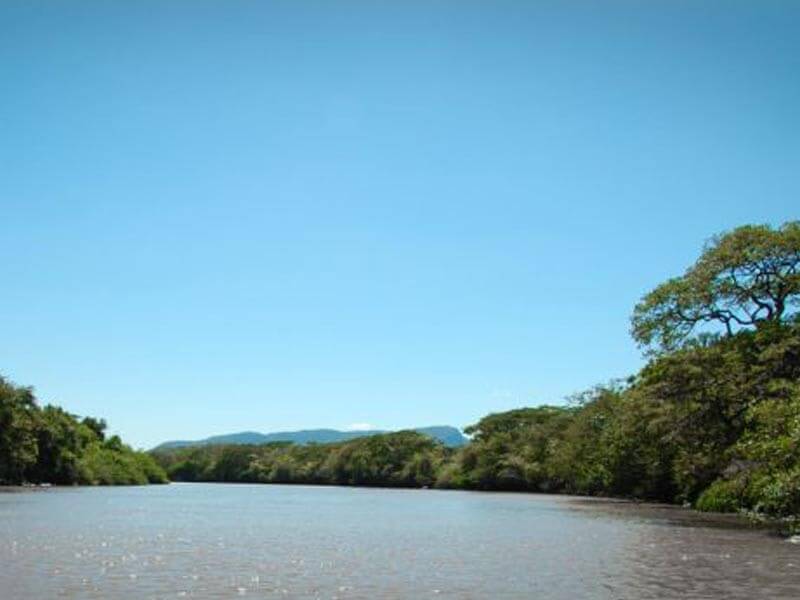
x=313 y=542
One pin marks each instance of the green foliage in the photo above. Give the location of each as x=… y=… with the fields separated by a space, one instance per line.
x=50 y=445
x=512 y=450
x=743 y=278
x=614 y=445
x=713 y=420
x=18 y=449
x=768 y=473
x=108 y=464
x=721 y=496
x=715 y=423
x=98 y=426
x=402 y=459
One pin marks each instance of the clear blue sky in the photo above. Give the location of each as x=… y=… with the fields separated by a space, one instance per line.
x=218 y=216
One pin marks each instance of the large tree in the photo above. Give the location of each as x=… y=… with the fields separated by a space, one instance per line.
x=744 y=277
x=18 y=450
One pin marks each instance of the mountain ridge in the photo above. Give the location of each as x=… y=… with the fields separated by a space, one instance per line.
x=448 y=435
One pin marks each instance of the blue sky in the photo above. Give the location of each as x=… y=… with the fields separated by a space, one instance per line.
x=218 y=216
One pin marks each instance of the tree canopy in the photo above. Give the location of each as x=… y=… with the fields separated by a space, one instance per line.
x=48 y=444
x=743 y=278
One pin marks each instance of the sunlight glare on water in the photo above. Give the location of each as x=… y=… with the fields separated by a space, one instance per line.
x=267 y=541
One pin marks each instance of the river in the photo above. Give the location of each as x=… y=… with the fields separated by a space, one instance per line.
x=271 y=541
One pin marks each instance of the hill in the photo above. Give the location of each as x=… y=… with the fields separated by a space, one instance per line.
x=449 y=436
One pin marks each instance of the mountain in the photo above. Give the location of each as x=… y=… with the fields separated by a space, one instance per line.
x=449 y=436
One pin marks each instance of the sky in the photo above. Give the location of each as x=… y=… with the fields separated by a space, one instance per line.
x=240 y=215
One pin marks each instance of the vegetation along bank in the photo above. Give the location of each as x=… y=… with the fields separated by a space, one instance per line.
x=712 y=419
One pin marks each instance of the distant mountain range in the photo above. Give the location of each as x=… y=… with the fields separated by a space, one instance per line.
x=449 y=436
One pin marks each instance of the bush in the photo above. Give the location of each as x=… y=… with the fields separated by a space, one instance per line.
x=721 y=496
x=777 y=494
x=103 y=465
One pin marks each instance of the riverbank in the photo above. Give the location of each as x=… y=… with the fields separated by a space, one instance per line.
x=46 y=444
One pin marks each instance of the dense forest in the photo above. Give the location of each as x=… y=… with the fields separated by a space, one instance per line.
x=713 y=418
x=49 y=445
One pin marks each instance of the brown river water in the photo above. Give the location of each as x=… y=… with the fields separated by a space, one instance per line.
x=271 y=541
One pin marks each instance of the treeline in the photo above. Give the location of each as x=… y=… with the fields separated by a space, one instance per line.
x=401 y=459
x=49 y=445
x=715 y=424
x=713 y=419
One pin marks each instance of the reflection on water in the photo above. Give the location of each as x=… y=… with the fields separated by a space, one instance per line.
x=263 y=541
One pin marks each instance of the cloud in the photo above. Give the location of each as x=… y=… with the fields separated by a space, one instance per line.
x=360 y=427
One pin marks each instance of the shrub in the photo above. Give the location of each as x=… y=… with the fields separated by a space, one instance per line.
x=721 y=496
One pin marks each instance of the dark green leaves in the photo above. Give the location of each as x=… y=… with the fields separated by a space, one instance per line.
x=743 y=278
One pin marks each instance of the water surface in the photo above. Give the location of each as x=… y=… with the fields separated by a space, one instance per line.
x=269 y=541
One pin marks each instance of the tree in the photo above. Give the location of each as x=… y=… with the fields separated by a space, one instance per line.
x=18 y=450
x=51 y=445
x=98 y=426
x=61 y=440
x=743 y=278
x=511 y=450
